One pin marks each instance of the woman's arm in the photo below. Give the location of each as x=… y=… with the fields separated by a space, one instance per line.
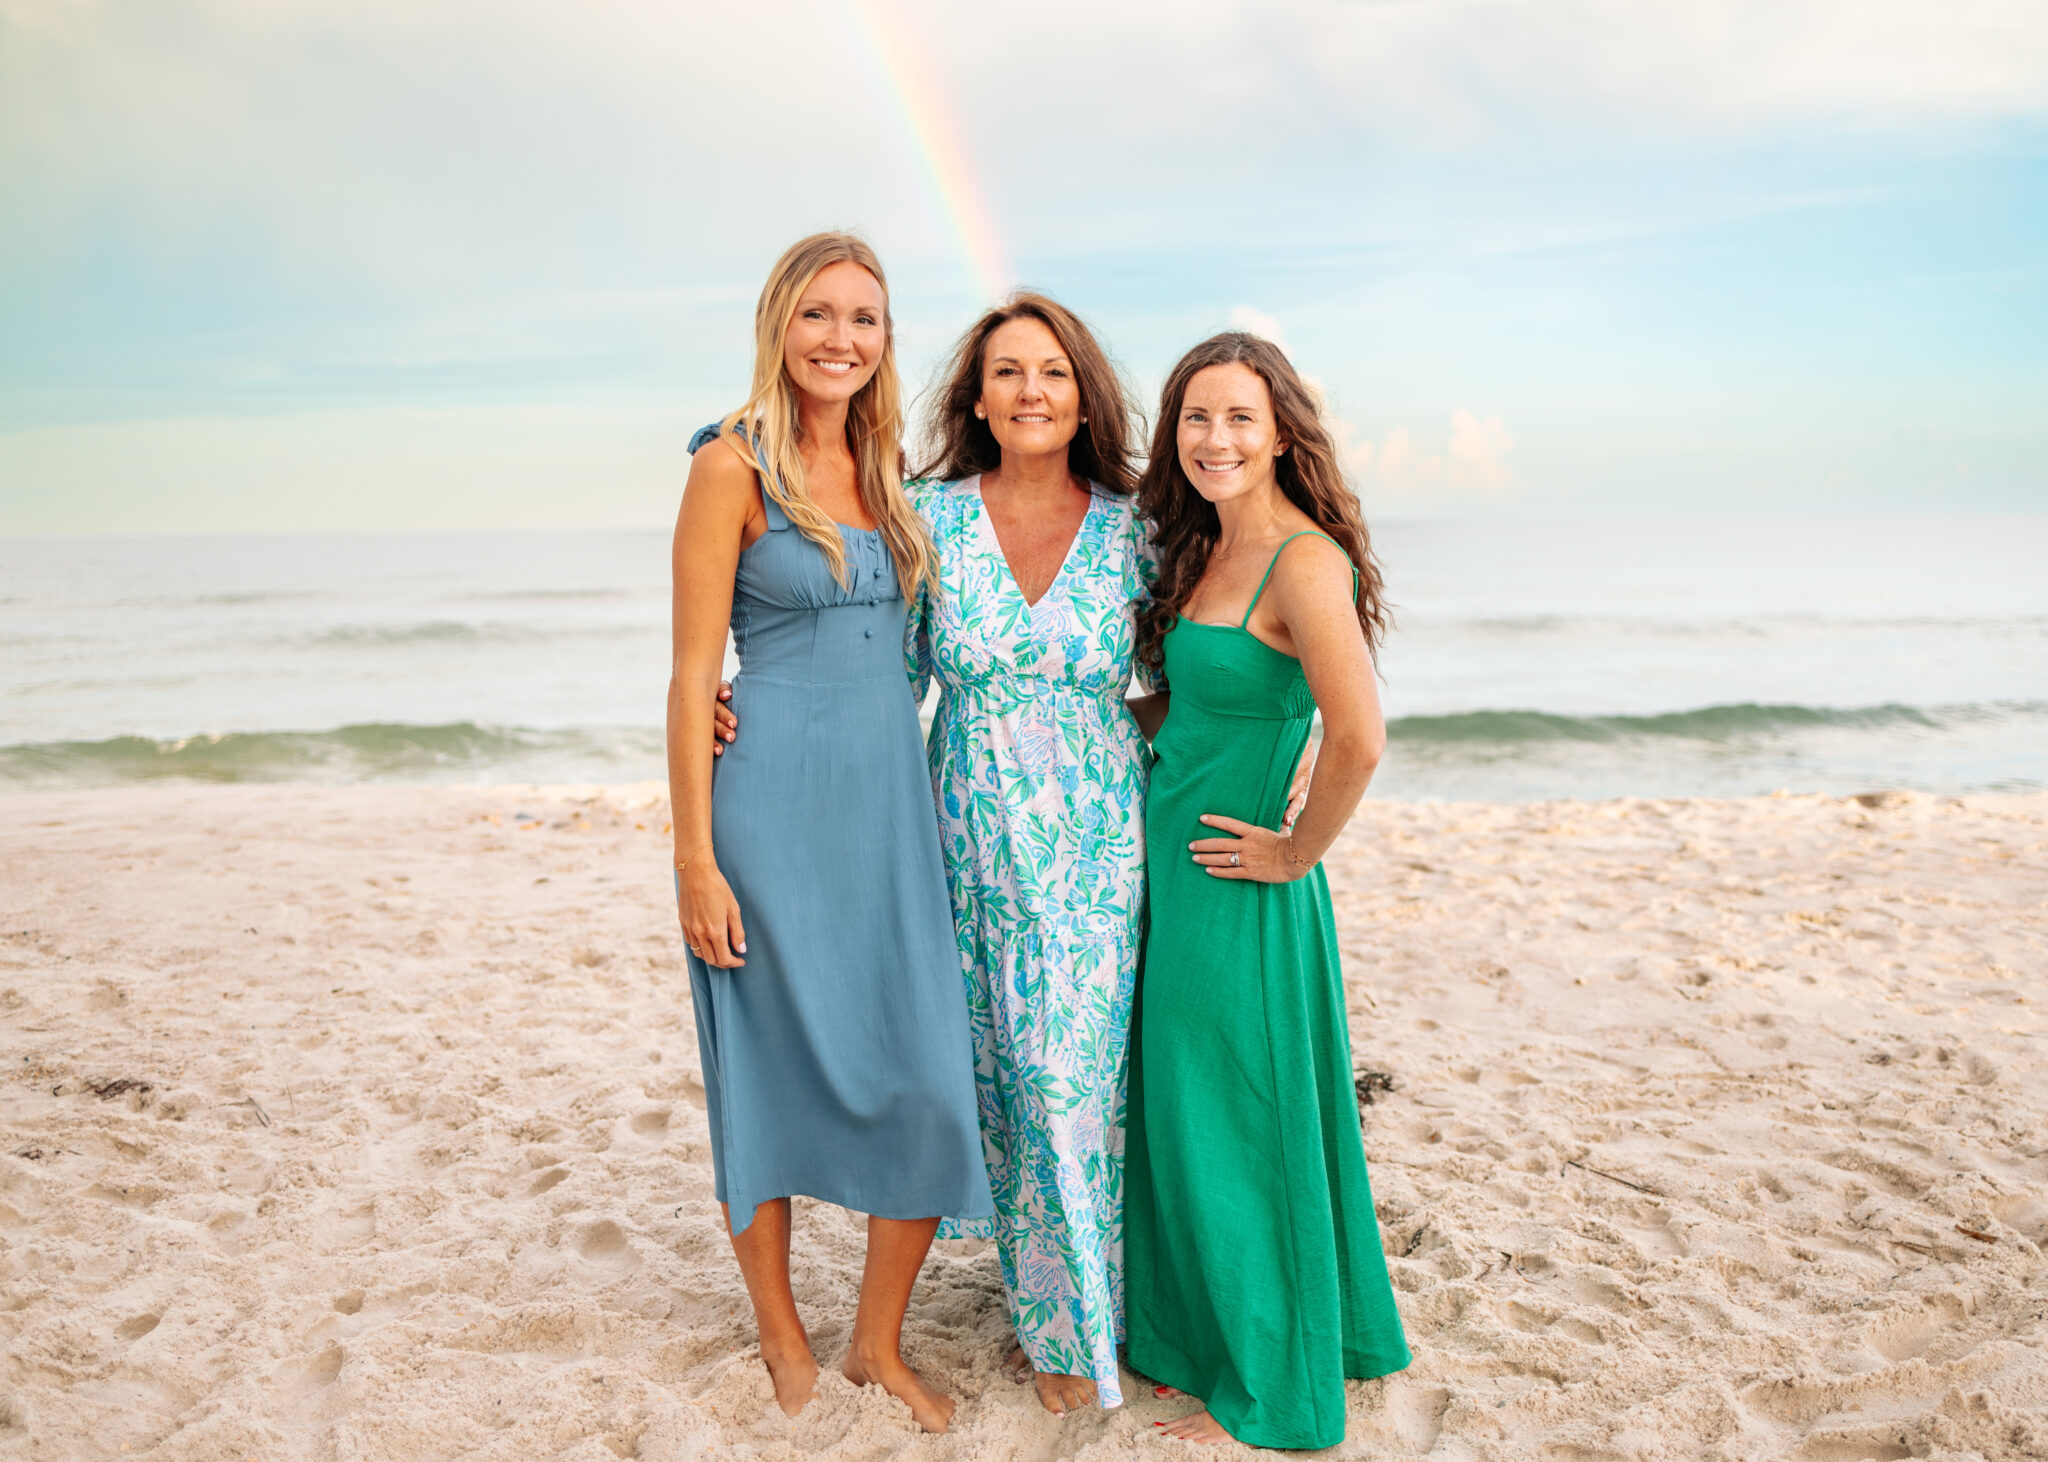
x=710 y=531
x=1149 y=708
x=1150 y=711
x=1315 y=604
x=917 y=645
x=1311 y=596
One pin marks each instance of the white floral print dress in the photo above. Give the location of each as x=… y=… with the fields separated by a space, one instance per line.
x=1039 y=772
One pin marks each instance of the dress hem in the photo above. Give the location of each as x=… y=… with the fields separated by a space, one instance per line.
x=850 y=1207
x=1186 y=1384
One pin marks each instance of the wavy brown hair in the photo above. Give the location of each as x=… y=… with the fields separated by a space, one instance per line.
x=958 y=444
x=1184 y=523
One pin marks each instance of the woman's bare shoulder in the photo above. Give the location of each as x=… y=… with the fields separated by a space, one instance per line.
x=1311 y=565
x=724 y=460
x=720 y=474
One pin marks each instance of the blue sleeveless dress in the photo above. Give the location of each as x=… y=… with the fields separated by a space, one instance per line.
x=837 y=1062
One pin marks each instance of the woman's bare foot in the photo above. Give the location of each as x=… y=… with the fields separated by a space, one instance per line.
x=1197 y=1426
x=1058 y=1394
x=794 y=1370
x=932 y=1410
x=1167 y=1391
x=1062 y=1394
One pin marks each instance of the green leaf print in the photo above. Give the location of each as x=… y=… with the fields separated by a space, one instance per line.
x=1047 y=898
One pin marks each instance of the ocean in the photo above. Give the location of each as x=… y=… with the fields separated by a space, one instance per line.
x=1533 y=659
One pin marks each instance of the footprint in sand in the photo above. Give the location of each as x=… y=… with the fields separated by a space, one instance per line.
x=2025 y=1214
x=1900 y=1335
x=1654 y=1234
x=319 y=1369
x=1416 y=1414
x=1906 y=1332
x=343 y=1228
x=225 y=1227
x=1599 y=1288
x=1573 y=1328
x=604 y=1242
x=137 y=1195
x=139 y=1326
x=1872 y=1442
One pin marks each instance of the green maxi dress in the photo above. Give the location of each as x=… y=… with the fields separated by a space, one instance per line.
x=1253 y=1272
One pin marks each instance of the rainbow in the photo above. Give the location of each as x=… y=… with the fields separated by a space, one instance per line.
x=935 y=138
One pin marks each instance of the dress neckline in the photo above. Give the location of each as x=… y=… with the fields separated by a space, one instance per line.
x=996 y=542
x=846 y=530
x=1182 y=619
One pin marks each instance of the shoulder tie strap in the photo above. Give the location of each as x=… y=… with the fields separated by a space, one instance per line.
x=1304 y=533
x=705 y=435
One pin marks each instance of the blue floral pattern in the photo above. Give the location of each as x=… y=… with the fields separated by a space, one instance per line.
x=1039 y=771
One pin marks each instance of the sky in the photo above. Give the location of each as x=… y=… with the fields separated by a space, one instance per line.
x=450 y=264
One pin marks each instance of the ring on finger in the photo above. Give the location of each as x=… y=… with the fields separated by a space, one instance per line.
x=1234 y=860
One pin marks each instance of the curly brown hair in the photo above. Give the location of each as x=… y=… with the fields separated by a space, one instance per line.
x=1184 y=523
x=959 y=444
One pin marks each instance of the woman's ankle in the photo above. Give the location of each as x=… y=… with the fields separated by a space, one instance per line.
x=783 y=1343
x=875 y=1354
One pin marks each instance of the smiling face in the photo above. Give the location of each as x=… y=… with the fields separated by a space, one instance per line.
x=1227 y=436
x=1028 y=390
x=836 y=338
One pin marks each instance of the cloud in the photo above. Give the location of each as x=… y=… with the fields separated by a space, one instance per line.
x=472 y=146
x=1472 y=461
x=1258 y=322
x=1452 y=72
x=229 y=208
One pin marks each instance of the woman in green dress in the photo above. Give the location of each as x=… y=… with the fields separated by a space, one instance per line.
x=1254 y=1276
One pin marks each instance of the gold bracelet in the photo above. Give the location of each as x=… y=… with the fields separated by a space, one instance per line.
x=1298 y=863
x=687 y=861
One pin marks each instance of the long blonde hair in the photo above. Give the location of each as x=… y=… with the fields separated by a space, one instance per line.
x=767 y=429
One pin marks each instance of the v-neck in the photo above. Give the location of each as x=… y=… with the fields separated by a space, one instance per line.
x=1003 y=554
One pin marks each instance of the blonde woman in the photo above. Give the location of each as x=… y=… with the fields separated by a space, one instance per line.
x=1038 y=767
x=830 y=1016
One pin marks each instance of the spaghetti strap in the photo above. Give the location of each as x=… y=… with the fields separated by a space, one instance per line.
x=1304 y=533
x=777 y=519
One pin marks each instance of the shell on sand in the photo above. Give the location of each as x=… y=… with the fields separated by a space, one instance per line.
x=1718 y=1130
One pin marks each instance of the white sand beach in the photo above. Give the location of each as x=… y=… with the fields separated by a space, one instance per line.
x=364 y=1123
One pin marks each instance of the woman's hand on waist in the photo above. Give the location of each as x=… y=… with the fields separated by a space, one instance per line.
x=1249 y=851
x=724 y=724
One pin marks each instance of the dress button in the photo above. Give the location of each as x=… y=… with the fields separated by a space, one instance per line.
x=867 y=634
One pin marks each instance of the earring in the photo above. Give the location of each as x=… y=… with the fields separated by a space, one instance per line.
x=1084 y=421
x=980 y=415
